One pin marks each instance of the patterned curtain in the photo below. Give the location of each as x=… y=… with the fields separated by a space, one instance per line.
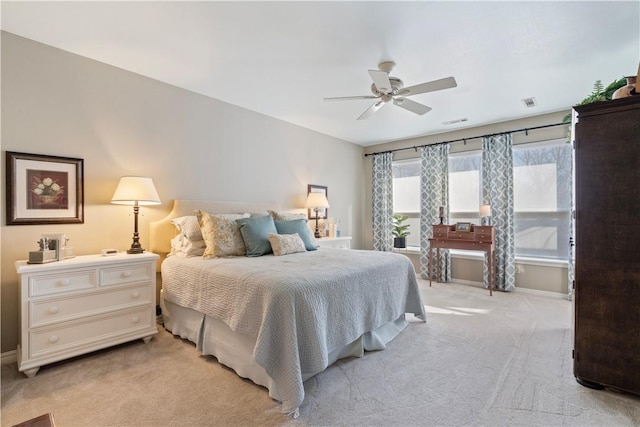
x=497 y=190
x=382 y=188
x=434 y=192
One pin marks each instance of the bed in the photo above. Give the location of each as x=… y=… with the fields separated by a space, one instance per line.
x=279 y=320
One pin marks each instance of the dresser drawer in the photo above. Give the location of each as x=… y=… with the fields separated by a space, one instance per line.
x=45 y=312
x=484 y=237
x=123 y=274
x=52 y=340
x=68 y=281
x=483 y=232
x=460 y=235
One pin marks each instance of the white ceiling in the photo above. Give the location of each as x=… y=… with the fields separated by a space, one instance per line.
x=282 y=58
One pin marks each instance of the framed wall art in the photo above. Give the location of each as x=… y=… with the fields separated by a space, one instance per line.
x=323 y=213
x=44 y=189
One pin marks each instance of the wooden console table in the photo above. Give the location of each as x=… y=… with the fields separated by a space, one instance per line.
x=478 y=238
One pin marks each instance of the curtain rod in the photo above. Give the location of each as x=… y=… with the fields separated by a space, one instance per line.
x=415 y=147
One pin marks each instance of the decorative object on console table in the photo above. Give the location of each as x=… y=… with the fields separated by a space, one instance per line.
x=44 y=189
x=441 y=214
x=485 y=214
x=318 y=203
x=463 y=227
x=135 y=191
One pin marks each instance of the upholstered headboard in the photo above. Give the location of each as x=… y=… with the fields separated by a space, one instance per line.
x=163 y=231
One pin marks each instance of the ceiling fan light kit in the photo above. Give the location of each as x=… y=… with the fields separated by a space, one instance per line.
x=387 y=88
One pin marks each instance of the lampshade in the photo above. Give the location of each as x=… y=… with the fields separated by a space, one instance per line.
x=485 y=210
x=132 y=190
x=316 y=200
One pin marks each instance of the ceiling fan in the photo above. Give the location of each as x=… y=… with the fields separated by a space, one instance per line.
x=387 y=88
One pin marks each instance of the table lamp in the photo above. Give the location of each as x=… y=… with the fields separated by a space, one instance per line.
x=135 y=191
x=485 y=214
x=316 y=201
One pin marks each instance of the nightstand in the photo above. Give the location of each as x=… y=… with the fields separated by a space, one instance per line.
x=334 y=242
x=83 y=304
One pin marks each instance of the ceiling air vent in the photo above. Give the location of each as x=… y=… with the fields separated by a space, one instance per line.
x=451 y=122
x=529 y=102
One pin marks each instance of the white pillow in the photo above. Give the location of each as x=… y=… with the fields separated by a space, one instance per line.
x=221 y=234
x=188 y=226
x=185 y=248
x=284 y=244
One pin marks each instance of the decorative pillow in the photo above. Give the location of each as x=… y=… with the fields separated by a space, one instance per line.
x=184 y=248
x=221 y=234
x=300 y=227
x=188 y=226
x=284 y=244
x=291 y=216
x=255 y=233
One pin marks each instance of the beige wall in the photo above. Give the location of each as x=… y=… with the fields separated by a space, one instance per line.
x=121 y=123
x=552 y=278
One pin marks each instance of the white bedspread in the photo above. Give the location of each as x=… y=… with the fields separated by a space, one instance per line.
x=298 y=307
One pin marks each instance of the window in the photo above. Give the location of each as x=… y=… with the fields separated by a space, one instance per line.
x=465 y=187
x=406 y=196
x=542 y=199
x=542 y=195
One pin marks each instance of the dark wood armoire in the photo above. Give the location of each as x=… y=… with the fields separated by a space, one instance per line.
x=607 y=278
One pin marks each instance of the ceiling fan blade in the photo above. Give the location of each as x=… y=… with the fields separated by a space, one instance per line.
x=381 y=80
x=346 y=98
x=375 y=107
x=414 y=107
x=446 y=83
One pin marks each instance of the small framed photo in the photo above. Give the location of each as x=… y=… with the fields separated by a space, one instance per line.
x=43 y=189
x=463 y=226
x=56 y=243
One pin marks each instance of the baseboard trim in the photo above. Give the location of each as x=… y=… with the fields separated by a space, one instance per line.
x=543 y=293
x=8 y=357
x=517 y=289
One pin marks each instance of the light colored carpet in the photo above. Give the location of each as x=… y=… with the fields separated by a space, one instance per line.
x=479 y=360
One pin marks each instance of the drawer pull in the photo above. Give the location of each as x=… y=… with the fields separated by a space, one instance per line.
x=64 y=282
x=53 y=339
x=53 y=309
x=135 y=294
x=135 y=319
x=126 y=274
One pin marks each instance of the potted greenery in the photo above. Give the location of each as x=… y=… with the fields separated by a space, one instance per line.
x=400 y=231
x=600 y=93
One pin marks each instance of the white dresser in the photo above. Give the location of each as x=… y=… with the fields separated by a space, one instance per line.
x=86 y=303
x=334 y=242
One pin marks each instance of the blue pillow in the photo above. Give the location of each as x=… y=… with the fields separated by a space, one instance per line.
x=297 y=226
x=255 y=233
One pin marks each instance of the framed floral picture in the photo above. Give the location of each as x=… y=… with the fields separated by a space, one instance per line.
x=44 y=189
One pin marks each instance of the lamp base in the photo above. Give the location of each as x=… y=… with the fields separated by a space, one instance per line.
x=135 y=251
